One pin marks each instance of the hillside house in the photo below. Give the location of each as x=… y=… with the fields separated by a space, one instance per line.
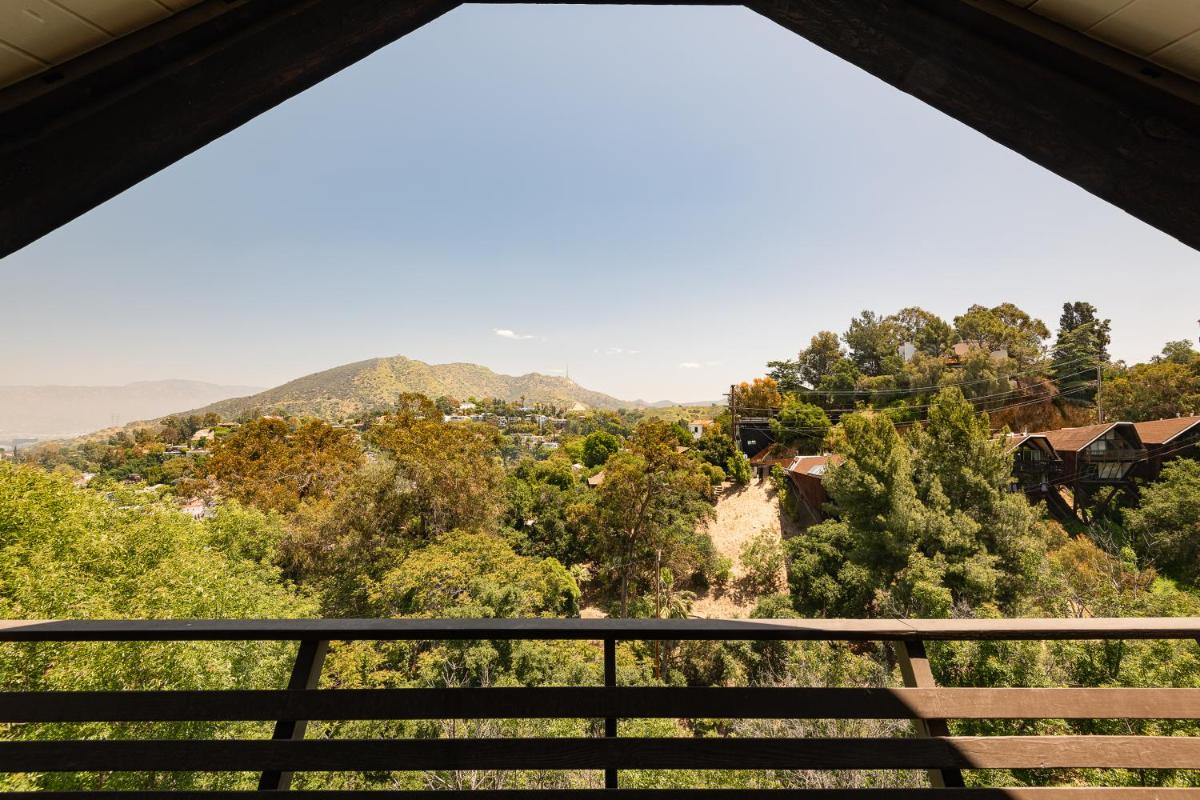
x=753 y=434
x=1166 y=439
x=1036 y=464
x=963 y=350
x=771 y=456
x=1098 y=465
x=805 y=476
x=1037 y=471
x=697 y=427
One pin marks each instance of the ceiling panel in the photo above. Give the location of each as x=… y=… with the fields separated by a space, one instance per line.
x=18 y=64
x=1182 y=56
x=45 y=30
x=49 y=32
x=117 y=17
x=1077 y=14
x=1144 y=26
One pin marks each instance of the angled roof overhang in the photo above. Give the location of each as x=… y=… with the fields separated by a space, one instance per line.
x=1108 y=100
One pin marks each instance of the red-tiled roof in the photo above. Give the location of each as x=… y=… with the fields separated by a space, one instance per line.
x=1161 y=431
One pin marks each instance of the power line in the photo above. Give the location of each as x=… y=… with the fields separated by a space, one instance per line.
x=993 y=395
x=1027 y=402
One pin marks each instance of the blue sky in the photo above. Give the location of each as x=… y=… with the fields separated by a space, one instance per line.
x=662 y=198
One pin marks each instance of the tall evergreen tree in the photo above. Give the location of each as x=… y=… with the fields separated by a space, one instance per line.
x=1080 y=349
x=924 y=523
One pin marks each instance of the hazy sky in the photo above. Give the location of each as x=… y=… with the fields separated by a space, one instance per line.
x=664 y=198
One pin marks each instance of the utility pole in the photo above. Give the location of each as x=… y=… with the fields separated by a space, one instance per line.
x=733 y=420
x=658 y=664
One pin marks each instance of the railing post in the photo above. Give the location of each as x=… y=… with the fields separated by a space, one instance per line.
x=306 y=673
x=610 y=723
x=914 y=669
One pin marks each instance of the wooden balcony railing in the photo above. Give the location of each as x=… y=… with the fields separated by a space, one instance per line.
x=921 y=701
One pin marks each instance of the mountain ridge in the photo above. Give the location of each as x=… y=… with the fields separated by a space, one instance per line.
x=360 y=386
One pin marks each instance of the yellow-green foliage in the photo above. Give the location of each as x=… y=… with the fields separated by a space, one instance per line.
x=72 y=553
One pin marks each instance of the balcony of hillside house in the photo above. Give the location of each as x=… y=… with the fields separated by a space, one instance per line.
x=943 y=742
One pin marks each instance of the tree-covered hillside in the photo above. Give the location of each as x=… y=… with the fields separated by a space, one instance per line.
x=337 y=393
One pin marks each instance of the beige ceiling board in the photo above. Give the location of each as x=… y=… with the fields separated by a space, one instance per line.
x=117 y=17
x=1078 y=14
x=1182 y=56
x=51 y=32
x=46 y=31
x=1145 y=26
x=17 y=64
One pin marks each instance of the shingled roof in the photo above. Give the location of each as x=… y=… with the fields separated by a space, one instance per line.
x=1066 y=440
x=1158 y=432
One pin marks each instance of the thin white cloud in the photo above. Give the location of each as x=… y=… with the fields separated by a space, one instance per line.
x=615 y=351
x=698 y=364
x=505 y=333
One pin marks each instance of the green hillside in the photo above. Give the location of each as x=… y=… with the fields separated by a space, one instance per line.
x=366 y=385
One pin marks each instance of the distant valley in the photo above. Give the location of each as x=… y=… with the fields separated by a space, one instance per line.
x=47 y=412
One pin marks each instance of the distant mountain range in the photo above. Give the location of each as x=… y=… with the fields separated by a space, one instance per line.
x=48 y=412
x=365 y=385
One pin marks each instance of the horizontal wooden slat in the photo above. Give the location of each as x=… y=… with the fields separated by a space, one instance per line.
x=1016 y=793
x=626 y=629
x=995 y=752
x=597 y=702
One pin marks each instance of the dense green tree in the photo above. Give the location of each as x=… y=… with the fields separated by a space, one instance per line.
x=598 y=446
x=1080 y=349
x=1178 y=352
x=1003 y=327
x=738 y=468
x=545 y=501
x=762 y=560
x=276 y=465
x=1167 y=521
x=874 y=343
x=757 y=397
x=801 y=425
x=818 y=360
x=1153 y=391
x=927 y=332
x=463 y=574
x=645 y=514
x=715 y=445
x=924 y=523
x=450 y=472
x=426 y=478
x=68 y=553
x=786 y=375
x=1078 y=315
